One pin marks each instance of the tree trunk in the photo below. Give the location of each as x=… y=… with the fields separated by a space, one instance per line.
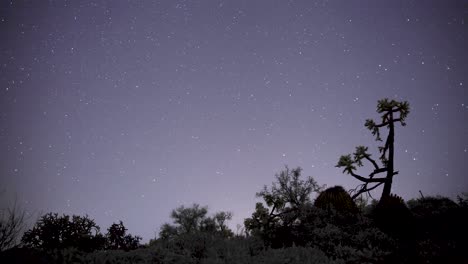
x=388 y=183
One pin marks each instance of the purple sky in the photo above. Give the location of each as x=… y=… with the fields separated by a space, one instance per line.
x=124 y=110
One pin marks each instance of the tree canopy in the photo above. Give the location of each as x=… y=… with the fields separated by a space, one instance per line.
x=117 y=238
x=194 y=219
x=284 y=200
x=52 y=231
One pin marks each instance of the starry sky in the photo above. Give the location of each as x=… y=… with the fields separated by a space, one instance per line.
x=125 y=110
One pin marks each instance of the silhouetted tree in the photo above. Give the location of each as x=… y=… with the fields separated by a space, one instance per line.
x=168 y=231
x=389 y=109
x=217 y=224
x=118 y=239
x=11 y=226
x=192 y=235
x=52 y=231
x=194 y=219
x=189 y=219
x=284 y=200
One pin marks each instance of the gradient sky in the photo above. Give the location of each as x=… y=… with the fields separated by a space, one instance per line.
x=124 y=110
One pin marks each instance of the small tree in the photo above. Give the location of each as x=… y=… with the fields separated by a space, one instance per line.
x=118 y=239
x=284 y=200
x=52 y=231
x=11 y=226
x=217 y=224
x=189 y=220
x=389 y=110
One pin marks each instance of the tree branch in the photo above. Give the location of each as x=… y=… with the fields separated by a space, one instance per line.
x=366 y=180
x=372 y=161
x=272 y=210
x=284 y=212
x=377 y=171
x=387 y=144
x=386 y=123
x=365 y=189
x=398 y=109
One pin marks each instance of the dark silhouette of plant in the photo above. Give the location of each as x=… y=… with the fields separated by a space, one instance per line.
x=350 y=237
x=284 y=200
x=437 y=216
x=168 y=231
x=389 y=109
x=337 y=198
x=11 y=226
x=25 y=255
x=217 y=224
x=393 y=216
x=118 y=239
x=192 y=235
x=441 y=229
x=462 y=200
x=52 y=231
x=188 y=220
x=260 y=223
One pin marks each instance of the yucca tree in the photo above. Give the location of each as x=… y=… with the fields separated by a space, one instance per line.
x=392 y=112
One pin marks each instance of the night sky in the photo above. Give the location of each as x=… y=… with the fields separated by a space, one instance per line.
x=125 y=110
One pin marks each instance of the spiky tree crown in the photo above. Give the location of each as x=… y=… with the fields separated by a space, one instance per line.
x=388 y=107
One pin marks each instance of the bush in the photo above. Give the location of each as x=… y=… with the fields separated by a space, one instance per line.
x=137 y=256
x=117 y=238
x=349 y=237
x=52 y=232
x=294 y=255
x=441 y=229
x=393 y=216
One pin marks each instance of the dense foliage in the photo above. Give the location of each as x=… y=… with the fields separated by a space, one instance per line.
x=58 y=232
x=285 y=200
x=289 y=227
x=117 y=238
x=191 y=220
x=53 y=232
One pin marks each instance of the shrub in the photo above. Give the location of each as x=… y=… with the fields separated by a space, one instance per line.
x=58 y=232
x=118 y=239
x=393 y=216
x=441 y=229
